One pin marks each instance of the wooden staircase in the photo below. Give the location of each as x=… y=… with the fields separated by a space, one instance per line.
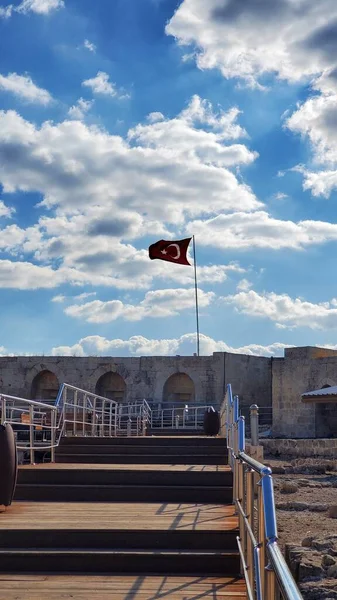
x=159 y=527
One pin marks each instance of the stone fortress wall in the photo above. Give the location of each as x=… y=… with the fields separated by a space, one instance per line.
x=268 y=382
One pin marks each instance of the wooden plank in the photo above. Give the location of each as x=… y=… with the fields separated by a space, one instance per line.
x=124 y=467
x=118 y=516
x=23 y=587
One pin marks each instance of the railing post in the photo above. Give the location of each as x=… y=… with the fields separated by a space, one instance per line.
x=261 y=538
x=249 y=510
x=53 y=435
x=254 y=424
x=128 y=428
x=31 y=434
x=3 y=410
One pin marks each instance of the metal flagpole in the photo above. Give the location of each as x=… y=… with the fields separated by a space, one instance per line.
x=196 y=297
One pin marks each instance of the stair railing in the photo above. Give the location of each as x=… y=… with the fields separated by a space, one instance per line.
x=265 y=570
x=34 y=424
x=82 y=413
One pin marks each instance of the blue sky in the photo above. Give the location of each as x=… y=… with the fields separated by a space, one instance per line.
x=130 y=121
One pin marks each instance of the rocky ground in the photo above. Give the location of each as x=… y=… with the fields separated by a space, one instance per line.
x=306 y=503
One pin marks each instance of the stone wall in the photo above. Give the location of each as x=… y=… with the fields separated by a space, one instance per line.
x=309 y=448
x=145 y=377
x=301 y=370
x=250 y=377
x=276 y=382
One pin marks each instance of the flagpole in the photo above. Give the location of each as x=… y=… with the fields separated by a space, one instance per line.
x=196 y=296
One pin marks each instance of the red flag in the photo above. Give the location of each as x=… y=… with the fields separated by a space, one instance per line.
x=174 y=251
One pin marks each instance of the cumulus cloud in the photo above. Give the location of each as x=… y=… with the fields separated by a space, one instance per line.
x=156 y=304
x=24 y=88
x=297 y=39
x=316 y=120
x=297 y=43
x=79 y=110
x=285 y=311
x=101 y=85
x=140 y=346
x=258 y=229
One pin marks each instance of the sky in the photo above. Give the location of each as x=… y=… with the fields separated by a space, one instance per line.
x=129 y=121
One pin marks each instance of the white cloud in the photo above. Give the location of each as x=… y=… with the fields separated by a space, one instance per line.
x=316 y=120
x=79 y=110
x=244 y=285
x=156 y=304
x=89 y=45
x=6 y=11
x=258 y=229
x=40 y=7
x=24 y=87
x=286 y=312
x=140 y=346
x=6 y=211
x=84 y=296
x=296 y=41
x=155 y=116
x=102 y=86
x=59 y=298
x=167 y=171
x=280 y=196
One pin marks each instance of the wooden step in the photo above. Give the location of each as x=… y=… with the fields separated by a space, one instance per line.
x=122 y=493
x=181 y=440
x=107 y=539
x=170 y=459
x=119 y=516
x=74 y=474
x=198 y=562
x=150 y=449
x=120 y=587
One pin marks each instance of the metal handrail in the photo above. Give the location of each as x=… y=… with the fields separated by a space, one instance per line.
x=265 y=570
x=12 y=410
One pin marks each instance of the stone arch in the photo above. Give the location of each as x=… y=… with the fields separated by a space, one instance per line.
x=45 y=386
x=111 y=385
x=179 y=387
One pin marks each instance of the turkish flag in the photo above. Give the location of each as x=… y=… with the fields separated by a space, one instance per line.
x=174 y=251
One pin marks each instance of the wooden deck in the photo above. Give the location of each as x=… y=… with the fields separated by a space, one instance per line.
x=35 y=587
x=118 y=516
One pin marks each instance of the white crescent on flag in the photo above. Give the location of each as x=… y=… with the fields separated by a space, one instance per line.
x=178 y=251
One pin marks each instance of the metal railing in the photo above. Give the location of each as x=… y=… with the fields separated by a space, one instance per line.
x=187 y=416
x=264 y=567
x=133 y=419
x=84 y=413
x=38 y=426
x=34 y=424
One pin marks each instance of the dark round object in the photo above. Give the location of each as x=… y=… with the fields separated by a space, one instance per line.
x=211 y=422
x=8 y=464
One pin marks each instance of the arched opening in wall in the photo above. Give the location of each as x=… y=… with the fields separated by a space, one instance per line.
x=45 y=386
x=179 y=388
x=111 y=385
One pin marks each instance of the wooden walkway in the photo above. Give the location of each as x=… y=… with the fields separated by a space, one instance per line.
x=139 y=587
